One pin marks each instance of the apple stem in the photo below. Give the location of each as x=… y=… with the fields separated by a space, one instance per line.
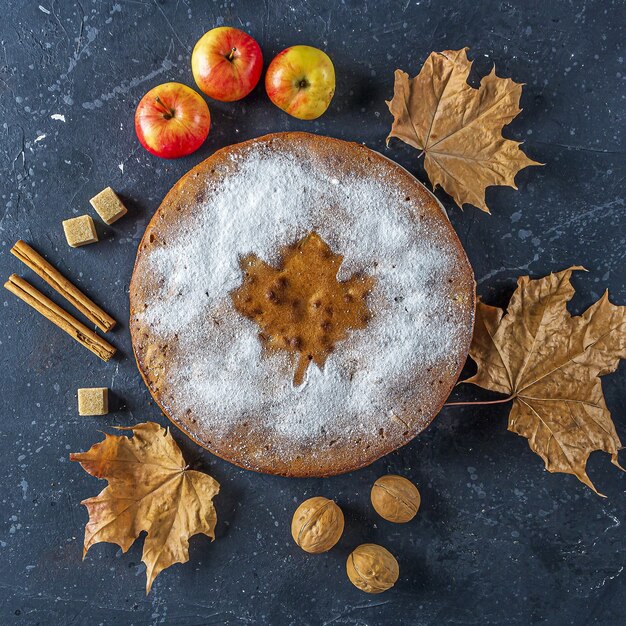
x=231 y=54
x=169 y=113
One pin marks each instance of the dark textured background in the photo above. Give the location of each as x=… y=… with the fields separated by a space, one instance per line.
x=498 y=540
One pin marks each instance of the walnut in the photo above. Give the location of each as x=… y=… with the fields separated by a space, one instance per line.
x=395 y=498
x=317 y=525
x=372 y=568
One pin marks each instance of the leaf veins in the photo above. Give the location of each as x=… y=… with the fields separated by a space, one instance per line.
x=457 y=127
x=550 y=363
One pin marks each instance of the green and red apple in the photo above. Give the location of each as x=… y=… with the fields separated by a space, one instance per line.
x=301 y=81
x=172 y=120
x=226 y=63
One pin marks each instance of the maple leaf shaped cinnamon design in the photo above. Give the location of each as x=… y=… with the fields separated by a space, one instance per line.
x=150 y=489
x=301 y=307
x=550 y=364
x=459 y=128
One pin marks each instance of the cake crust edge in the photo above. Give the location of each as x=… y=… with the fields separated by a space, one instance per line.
x=342 y=463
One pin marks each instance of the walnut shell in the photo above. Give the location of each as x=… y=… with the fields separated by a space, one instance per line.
x=372 y=568
x=395 y=498
x=317 y=525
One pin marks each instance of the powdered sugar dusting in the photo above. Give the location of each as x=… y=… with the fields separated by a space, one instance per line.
x=267 y=201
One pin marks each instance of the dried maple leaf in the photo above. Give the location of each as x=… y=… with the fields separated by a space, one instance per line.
x=550 y=364
x=150 y=489
x=457 y=127
x=301 y=307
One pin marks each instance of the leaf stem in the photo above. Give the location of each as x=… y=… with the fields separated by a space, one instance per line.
x=480 y=402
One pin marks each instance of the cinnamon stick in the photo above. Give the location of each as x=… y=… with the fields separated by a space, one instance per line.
x=32 y=296
x=62 y=285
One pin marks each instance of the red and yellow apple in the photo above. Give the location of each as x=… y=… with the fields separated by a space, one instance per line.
x=172 y=120
x=301 y=81
x=226 y=63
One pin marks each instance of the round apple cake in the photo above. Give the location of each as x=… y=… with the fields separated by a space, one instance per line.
x=300 y=305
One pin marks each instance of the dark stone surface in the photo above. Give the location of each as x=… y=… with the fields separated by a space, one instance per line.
x=498 y=540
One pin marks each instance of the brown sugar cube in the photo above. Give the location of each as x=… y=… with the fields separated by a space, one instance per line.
x=108 y=206
x=93 y=401
x=79 y=231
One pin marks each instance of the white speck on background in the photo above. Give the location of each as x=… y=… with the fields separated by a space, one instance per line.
x=40 y=138
x=58 y=116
